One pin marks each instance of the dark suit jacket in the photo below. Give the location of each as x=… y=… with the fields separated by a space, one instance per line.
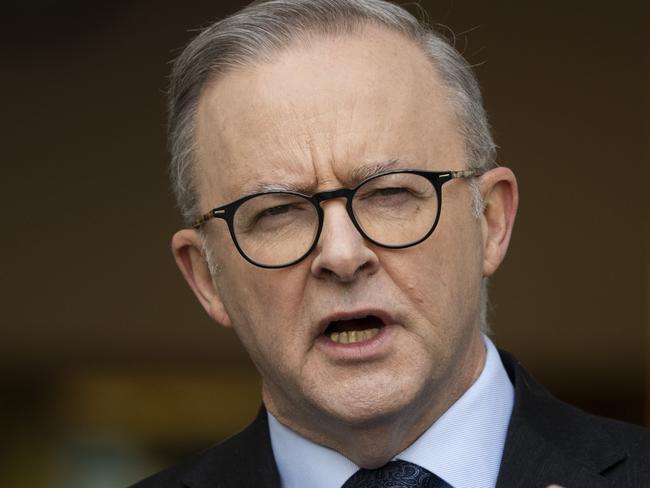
x=548 y=442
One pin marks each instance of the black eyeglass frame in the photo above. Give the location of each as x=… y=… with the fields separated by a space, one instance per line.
x=227 y=212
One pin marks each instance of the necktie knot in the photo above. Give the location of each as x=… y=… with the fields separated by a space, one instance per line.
x=395 y=474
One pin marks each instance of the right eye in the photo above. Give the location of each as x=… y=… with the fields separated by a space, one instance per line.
x=273 y=213
x=277 y=210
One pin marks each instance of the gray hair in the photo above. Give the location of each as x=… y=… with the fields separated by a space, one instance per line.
x=265 y=27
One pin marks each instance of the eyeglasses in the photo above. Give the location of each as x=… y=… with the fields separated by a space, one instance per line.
x=395 y=210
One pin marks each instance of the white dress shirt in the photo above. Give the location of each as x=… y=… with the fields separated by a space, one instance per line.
x=463 y=447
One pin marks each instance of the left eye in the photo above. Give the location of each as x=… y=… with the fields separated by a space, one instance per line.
x=388 y=191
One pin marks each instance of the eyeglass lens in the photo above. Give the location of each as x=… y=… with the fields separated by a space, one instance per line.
x=276 y=228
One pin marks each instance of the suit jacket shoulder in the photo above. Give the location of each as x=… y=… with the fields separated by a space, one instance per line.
x=550 y=441
x=242 y=461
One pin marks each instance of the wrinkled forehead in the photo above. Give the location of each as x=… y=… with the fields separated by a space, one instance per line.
x=320 y=109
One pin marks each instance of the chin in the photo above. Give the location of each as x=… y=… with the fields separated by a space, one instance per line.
x=364 y=404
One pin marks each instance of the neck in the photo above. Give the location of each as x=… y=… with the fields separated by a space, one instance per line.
x=373 y=443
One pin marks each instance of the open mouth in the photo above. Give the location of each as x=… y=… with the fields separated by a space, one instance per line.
x=354 y=330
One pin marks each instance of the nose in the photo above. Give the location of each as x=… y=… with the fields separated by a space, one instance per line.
x=342 y=252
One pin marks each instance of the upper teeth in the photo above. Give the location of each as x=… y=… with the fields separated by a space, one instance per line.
x=352 y=336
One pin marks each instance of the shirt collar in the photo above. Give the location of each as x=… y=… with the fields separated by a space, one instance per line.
x=463 y=447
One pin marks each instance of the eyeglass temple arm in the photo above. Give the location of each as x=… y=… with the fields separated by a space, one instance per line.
x=198 y=223
x=467 y=173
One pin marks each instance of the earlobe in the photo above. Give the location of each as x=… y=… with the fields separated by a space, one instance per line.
x=500 y=200
x=187 y=250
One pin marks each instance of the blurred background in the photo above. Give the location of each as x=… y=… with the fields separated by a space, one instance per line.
x=109 y=369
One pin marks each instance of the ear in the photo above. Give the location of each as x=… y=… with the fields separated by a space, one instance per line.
x=187 y=249
x=500 y=200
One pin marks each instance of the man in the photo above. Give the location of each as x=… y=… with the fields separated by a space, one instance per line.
x=335 y=167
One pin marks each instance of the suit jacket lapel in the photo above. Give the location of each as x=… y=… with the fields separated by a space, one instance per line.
x=243 y=461
x=551 y=442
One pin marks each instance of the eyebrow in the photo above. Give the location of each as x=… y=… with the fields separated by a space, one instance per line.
x=358 y=174
x=261 y=186
x=372 y=169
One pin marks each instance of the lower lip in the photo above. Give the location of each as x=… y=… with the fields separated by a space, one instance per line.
x=359 y=351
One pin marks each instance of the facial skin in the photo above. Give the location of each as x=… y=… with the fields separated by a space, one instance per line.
x=311 y=118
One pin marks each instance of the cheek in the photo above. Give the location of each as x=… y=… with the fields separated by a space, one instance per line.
x=441 y=277
x=264 y=306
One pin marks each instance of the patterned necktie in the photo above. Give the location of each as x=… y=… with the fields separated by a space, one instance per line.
x=396 y=474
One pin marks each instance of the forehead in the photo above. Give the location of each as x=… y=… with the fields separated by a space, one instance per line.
x=319 y=111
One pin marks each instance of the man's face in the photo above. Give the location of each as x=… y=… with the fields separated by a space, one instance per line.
x=312 y=118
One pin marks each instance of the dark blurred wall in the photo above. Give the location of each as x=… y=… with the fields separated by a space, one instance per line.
x=93 y=309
